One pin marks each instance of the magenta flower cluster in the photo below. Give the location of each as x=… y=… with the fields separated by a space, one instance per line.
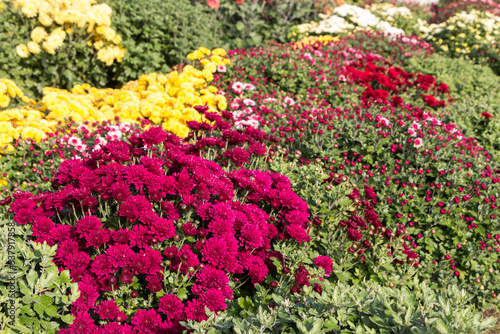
x=134 y=211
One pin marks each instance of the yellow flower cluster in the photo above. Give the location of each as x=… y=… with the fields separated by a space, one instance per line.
x=9 y=91
x=324 y=39
x=463 y=33
x=23 y=123
x=166 y=99
x=79 y=18
x=210 y=60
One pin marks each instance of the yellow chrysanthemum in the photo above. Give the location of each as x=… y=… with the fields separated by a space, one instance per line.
x=22 y=51
x=33 y=47
x=168 y=100
x=38 y=34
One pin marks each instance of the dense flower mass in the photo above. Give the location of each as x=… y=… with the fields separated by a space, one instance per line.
x=404 y=152
x=249 y=183
x=222 y=227
x=346 y=18
x=164 y=99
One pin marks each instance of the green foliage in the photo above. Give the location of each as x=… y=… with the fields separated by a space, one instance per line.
x=475 y=89
x=255 y=23
x=32 y=284
x=158 y=34
x=365 y=308
x=74 y=62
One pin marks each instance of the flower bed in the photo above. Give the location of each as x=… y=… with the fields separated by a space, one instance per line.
x=333 y=165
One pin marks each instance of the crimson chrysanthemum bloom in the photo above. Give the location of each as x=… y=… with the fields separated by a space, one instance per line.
x=87 y=224
x=170 y=252
x=147 y=321
x=302 y=276
x=171 y=306
x=120 y=191
x=163 y=229
x=119 y=255
x=147 y=261
x=257 y=270
x=214 y=300
x=83 y=323
x=140 y=236
x=298 y=233
x=217 y=252
x=77 y=263
x=154 y=284
x=42 y=226
x=212 y=278
x=101 y=266
x=324 y=262
x=195 y=310
x=121 y=236
x=97 y=238
x=486 y=115
x=108 y=309
x=154 y=135
x=251 y=236
x=170 y=211
x=237 y=155
x=189 y=229
x=297 y=217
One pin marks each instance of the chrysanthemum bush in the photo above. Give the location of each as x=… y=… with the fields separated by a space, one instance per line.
x=153 y=232
x=59 y=43
x=430 y=179
x=364 y=181
x=151 y=221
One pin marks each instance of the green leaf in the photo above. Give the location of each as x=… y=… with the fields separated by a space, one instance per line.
x=68 y=318
x=343 y=276
x=182 y=293
x=31 y=278
x=240 y=26
x=51 y=311
x=441 y=327
x=39 y=309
